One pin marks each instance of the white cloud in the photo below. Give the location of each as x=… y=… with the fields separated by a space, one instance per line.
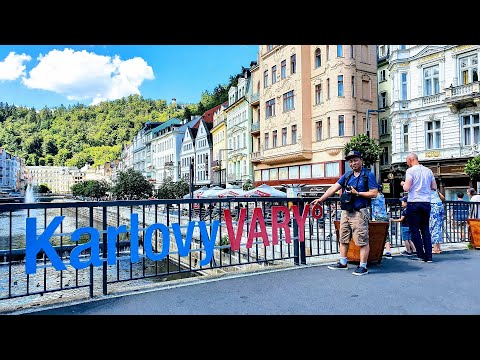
x=82 y=75
x=12 y=67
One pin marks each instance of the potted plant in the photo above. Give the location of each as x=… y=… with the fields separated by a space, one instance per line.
x=472 y=169
x=378 y=230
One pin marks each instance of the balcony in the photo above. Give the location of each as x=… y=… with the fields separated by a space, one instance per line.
x=459 y=97
x=255 y=99
x=255 y=128
x=256 y=157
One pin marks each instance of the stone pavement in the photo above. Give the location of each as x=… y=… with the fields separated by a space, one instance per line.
x=398 y=286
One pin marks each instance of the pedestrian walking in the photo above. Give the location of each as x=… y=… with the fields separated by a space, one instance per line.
x=474 y=207
x=436 y=221
x=359 y=186
x=419 y=181
x=405 y=230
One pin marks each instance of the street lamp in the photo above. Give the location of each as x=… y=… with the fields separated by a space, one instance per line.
x=220 y=165
x=368 y=118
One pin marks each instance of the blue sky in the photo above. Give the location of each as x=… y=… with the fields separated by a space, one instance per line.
x=52 y=75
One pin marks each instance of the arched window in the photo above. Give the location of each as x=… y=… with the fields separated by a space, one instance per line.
x=318 y=58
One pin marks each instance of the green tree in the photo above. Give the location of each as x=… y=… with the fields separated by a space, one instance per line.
x=472 y=168
x=248 y=185
x=131 y=185
x=369 y=148
x=171 y=189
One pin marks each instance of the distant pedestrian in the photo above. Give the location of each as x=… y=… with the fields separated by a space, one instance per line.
x=379 y=213
x=405 y=230
x=474 y=207
x=419 y=181
x=460 y=215
x=436 y=221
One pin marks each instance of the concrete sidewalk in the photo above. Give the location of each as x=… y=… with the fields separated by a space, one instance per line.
x=398 y=286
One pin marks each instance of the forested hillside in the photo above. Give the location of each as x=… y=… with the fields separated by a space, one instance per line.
x=95 y=134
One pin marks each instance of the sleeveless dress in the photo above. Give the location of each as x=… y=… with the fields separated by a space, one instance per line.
x=436 y=218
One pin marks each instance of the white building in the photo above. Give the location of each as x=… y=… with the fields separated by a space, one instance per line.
x=434 y=109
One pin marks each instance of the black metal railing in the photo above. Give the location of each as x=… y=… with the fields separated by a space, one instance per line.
x=91 y=245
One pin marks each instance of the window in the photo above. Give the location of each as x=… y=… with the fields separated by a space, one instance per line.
x=384 y=157
x=328 y=89
x=365 y=54
x=431 y=82
x=327 y=51
x=270 y=108
x=267 y=139
x=265 y=79
x=382 y=100
x=284 y=136
x=341 y=125
x=293 y=64
x=471 y=129
x=294 y=134
x=332 y=169
x=274 y=74
x=405 y=137
x=340 y=85
x=433 y=135
x=274 y=139
x=353 y=86
x=468 y=69
x=354 y=126
x=352 y=52
x=339 y=50
x=269 y=47
x=288 y=101
x=382 y=51
x=319 y=128
x=283 y=69
x=318 y=94
x=366 y=89
x=328 y=128
x=403 y=86
x=383 y=126
x=383 y=75
x=318 y=58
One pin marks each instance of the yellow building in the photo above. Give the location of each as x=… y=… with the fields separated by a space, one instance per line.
x=311 y=100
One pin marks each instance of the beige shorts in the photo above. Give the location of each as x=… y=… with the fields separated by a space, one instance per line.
x=354 y=225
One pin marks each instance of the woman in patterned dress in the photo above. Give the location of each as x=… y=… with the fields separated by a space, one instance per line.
x=436 y=221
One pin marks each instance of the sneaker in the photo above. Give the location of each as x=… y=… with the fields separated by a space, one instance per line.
x=406 y=253
x=429 y=261
x=416 y=258
x=360 y=270
x=388 y=255
x=338 y=265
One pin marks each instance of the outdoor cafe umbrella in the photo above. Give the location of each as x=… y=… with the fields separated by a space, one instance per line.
x=211 y=192
x=231 y=192
x=265 y=190
x=196 y=193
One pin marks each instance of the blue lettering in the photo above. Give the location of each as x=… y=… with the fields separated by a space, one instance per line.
x=165 y=242
x=93 y=245
x=134 y=238
x=33 y=246
x=183 y=249
x=207 y=240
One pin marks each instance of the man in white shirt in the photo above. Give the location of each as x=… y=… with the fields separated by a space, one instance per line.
x=474 y=208
x=419 y=181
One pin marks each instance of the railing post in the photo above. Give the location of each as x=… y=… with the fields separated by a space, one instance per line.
x=91 y=265
x=104 y=250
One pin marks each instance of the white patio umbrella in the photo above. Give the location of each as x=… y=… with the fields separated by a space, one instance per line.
x=211 y=192
x=231 y=192
x=265 y=190
x=196 y=193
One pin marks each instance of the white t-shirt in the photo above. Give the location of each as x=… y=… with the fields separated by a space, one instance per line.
x=475 y=208
x=421 y=177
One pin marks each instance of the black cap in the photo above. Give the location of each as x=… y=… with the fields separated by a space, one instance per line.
x=352 y=154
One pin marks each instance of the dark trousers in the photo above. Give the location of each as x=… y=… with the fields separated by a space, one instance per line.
x=418 y=215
